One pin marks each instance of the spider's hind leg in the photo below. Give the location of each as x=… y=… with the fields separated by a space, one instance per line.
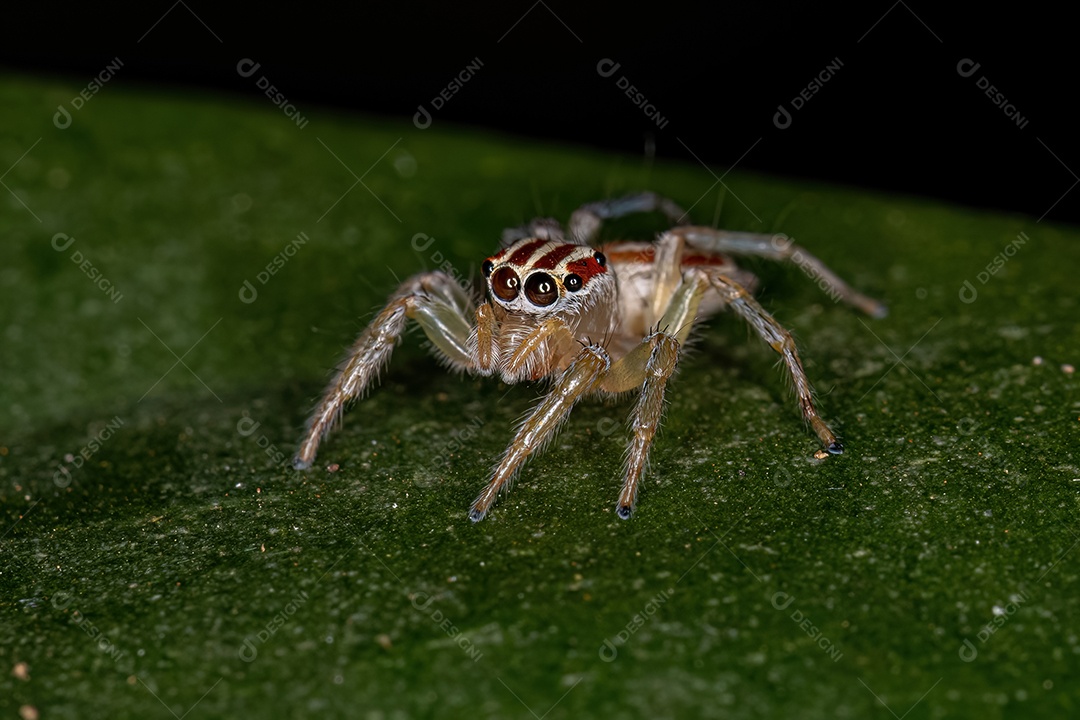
x=781 y=248
x=586 y=220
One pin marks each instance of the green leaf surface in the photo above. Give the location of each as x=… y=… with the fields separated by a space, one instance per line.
x=161 y=557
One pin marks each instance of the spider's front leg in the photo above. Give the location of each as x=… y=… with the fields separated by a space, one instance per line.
x=648 y=367
x=578 y=380
x=438 y=304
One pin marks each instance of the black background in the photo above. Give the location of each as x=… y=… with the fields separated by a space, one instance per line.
x=896 y=117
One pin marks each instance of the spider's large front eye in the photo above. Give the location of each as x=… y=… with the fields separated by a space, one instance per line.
x=541 y=289
x=505 y=284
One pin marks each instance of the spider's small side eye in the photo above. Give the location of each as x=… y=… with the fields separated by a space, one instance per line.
x=541 y=289
x=600 y=258
x=487 y=267
x=572 y=282
x=505 y=284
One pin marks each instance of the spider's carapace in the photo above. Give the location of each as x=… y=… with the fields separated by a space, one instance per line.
x=593 y=320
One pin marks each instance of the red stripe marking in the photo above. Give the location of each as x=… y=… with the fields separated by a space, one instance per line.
x=648 y=255
x=689 y=260
x=587 y=268
x=523 y=253
x=630 y=256
x=551 y=259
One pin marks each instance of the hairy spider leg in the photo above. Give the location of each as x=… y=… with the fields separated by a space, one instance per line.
x=438 y=304
x=585 y=222
x=780 y=248
x=578 y=380
x=736 y=297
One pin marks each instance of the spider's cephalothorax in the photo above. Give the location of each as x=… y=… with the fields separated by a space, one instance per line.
x=608 y=321
x=537 y=282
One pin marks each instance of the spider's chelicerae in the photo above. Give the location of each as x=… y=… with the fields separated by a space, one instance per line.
x=592 y=320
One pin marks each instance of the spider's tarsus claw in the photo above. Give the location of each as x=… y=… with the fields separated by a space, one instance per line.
x=476 y=515
x=835 y=448
x=624 y=512
x=879 y=311
x=299 y=464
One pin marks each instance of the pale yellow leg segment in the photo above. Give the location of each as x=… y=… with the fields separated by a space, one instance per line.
x=534 y=350
x=645 y=420
x=486 y=340
x=738 y=299
x=667 y=266
x=648 y=367
x=576 y=381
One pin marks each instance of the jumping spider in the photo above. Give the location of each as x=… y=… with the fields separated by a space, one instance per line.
x=606 y=321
